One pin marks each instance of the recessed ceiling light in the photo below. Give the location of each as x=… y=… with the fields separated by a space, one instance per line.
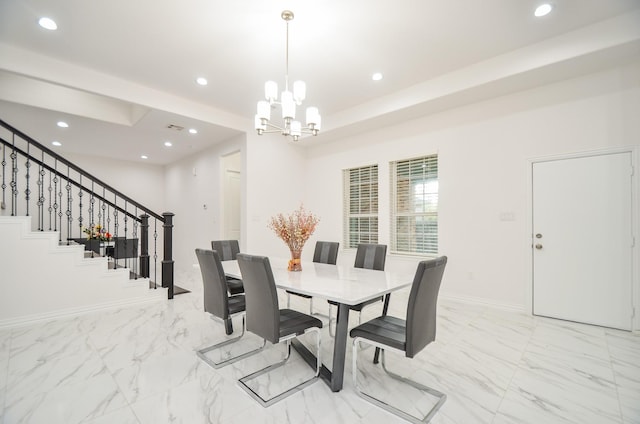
x=144 y=157
x=543 y=10
x=56 y=143
x=377 y=76
x=193 y=131
x=62 y=124
x=48 y=23
x=202 y=81
x=168 y=143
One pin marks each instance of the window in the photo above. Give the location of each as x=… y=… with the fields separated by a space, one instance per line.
x=360 y=205
x=414 y=208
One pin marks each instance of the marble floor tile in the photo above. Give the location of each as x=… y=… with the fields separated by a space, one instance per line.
x=50 y=340
x=135 y=349
x=137 y=365
x=534 y=397
x=160 y=374
x=29 y=377
x=198 y=401
x=68 y=404
x=120 y=416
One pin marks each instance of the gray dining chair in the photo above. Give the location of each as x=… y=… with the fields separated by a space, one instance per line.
x=408 y=336
x=326 y=252
x=228 y=250
x=368 y=256
x=275 y=325
x=220 y=305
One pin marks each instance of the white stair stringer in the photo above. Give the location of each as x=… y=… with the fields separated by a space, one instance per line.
x=40 y=279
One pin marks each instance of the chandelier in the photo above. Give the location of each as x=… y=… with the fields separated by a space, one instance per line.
x=288 y=102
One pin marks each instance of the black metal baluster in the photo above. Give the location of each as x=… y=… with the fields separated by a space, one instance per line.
x=50 y=189
x=100 y=204
x=144 y=246
x=80 y=219
x=14 y=178
x=57 y=206
x=126 y=239
x=4 y=181
x=155 y=252
x=92 y=202
x=115 y=228
x=27 y=192
x=41 y=174
x=107 y=213
x=134 y=236
x=69 y=203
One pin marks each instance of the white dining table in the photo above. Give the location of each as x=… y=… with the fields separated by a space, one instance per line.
x=345 y=285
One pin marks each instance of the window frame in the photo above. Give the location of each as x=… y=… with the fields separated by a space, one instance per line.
x=351 y=238
x=412 y=242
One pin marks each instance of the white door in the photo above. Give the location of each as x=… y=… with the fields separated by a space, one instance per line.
x=232 y=205
x=583 y=239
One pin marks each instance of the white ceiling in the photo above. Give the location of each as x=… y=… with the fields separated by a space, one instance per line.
x=121 y=71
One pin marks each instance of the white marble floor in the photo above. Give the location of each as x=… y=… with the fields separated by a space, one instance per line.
x=137 y=365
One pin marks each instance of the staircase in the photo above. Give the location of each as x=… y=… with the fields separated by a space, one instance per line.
x=47 y=201
x=42 y=279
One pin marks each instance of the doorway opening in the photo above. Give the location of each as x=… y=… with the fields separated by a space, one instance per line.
x=231 y=196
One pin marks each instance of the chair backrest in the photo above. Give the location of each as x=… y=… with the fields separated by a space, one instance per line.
x=227 y=249
x=326 y=252
x=125 y=247
x=371 y=256
x=92 y=245
x=263 y=313
x=89 y=245
x=214 y=282
x=422 y=307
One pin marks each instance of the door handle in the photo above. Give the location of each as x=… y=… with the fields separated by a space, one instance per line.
x=538 y=246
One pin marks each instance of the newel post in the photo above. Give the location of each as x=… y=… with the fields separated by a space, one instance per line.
x=167 y=260
x=144 y=246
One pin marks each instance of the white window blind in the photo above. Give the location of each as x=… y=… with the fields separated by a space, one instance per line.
x=414 y=208
x=360 y=205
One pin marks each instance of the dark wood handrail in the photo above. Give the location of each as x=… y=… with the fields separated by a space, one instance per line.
x=79 y=170
x=73 y=182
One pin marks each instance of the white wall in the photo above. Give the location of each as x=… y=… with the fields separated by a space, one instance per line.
x=186 y=196
x=275 y=183
x=142 y=182
x=484 y=152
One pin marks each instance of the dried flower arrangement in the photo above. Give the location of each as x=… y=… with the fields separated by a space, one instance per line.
x=294 y=229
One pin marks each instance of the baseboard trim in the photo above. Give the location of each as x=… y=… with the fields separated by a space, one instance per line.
x=159 y=295
x=483 y=301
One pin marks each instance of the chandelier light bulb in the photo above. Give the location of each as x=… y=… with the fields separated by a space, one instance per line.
x=264 y=110
x=271 y=91
x=312 y=116
x=288 y=105
x=288 y=101
x=260 y=127
x=299 y=91
x=296 y=129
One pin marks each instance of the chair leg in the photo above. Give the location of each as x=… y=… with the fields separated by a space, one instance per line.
x=288 y=300
x=202 y=352
x=439 y=395
x=329 y=324
x=267 y=402
x=228 y=326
